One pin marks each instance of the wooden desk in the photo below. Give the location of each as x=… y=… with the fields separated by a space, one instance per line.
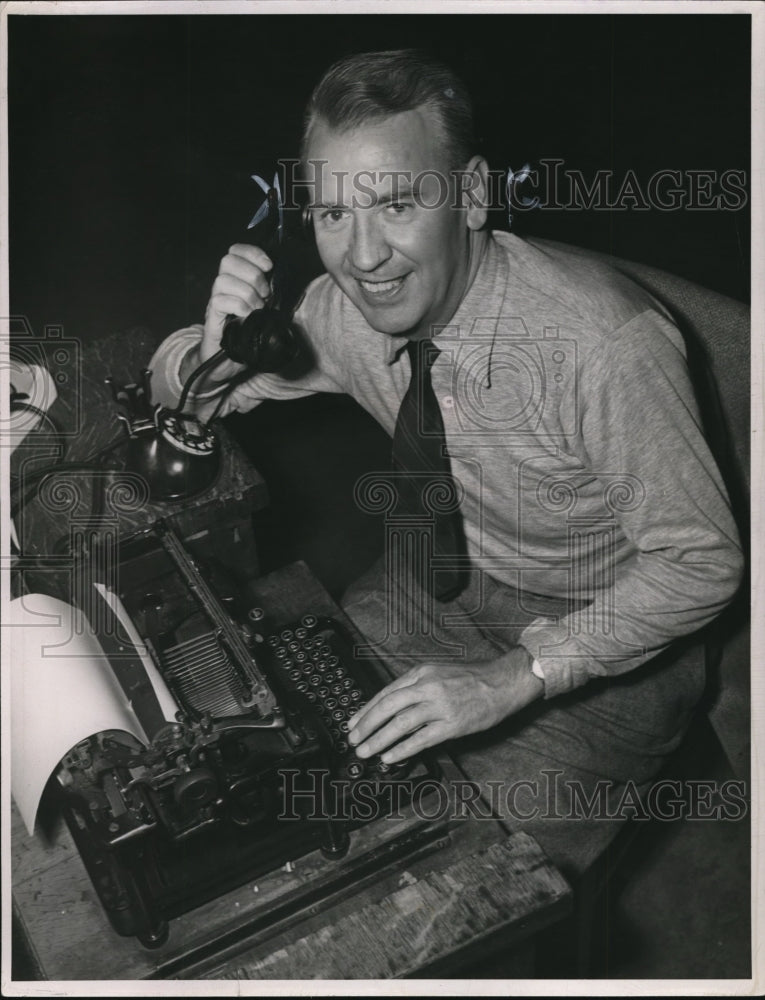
x=464 y=890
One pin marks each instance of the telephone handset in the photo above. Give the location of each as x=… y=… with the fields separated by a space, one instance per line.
x=176 y=453
x=266 y=339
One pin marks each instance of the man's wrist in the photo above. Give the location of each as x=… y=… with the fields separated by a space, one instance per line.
x=527 y=685
x=210 y=383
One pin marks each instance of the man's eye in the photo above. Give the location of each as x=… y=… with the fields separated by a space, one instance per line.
x=332 y=216
x=399 y=207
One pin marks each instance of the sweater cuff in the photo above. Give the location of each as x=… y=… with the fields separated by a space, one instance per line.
x=563 y=665
x=167 y=363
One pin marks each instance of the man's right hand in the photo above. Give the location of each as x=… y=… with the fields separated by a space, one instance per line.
x=241 y=286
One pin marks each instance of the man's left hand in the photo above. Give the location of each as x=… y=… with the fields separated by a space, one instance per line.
x=441 y=701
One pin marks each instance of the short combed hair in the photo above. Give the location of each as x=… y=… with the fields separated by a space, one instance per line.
x=374 y=85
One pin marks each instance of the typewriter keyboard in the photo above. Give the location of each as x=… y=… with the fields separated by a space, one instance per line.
x=315 y=658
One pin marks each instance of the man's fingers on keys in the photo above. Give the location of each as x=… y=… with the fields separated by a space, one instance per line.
x=393 y=698
x=429 y=735
x=404 y=723
x=397 y=685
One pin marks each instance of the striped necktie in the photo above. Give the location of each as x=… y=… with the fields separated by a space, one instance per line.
x=427 y=491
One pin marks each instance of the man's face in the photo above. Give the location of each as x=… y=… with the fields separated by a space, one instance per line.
x=402 y=263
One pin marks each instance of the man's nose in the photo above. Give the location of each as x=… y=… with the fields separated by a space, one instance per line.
x=368 y=248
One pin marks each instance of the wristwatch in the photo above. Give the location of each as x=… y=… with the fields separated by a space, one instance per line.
x=534 y=664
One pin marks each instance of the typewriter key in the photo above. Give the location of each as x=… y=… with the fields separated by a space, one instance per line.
x=344 y=726
x=355 y=769
x=333 y=661
x=288 y=634
x=345 y=700
x=329 y=702
x=341 y=746
x=315 y=654
x=338 y=715
x=301 y=633
x=356 y=696
x=295 y=674
x=330 y=676
x=309 y=621
x=314 y=680
x=311 y=696
x=302 y=686
x=322 y=693
x=274 y=640
x=293 y=646
x=281 y=652
x=326 y=650
x=337 y=689
x=300 y=656
x=347 y=683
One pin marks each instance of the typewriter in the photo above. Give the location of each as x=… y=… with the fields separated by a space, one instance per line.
x=254 y=771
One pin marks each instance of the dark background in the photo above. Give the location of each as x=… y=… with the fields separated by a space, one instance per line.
x=132 y=138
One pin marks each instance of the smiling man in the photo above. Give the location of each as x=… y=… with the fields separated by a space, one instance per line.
x=559 y=519
x=386 y=222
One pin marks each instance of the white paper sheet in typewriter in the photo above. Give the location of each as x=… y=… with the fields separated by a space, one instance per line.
x=63 y=690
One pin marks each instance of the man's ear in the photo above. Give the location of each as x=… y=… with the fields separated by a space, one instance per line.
x=475 y=192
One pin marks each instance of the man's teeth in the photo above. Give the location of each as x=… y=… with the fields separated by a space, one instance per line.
x=378 y=287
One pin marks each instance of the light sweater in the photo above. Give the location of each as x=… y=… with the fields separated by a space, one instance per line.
x=574 y=433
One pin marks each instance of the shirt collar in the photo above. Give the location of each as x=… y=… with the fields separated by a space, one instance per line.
x=396 y=346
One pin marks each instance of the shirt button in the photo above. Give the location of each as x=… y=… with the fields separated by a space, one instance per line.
x=448 y=401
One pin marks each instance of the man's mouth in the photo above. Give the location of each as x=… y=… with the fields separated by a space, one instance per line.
x=381 y=289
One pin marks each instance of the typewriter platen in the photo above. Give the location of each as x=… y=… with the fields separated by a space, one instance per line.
x=207 y=804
